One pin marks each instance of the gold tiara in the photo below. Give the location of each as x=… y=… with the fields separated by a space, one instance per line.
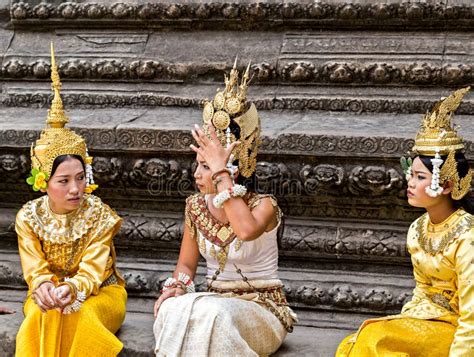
x=230 y=107
x=437 y=133
x=56 y=140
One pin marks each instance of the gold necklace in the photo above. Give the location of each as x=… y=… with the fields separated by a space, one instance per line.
x=434 y=245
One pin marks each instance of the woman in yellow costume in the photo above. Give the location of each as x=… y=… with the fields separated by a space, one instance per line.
x=76 y=297
x=244 y=312
x=439 y=320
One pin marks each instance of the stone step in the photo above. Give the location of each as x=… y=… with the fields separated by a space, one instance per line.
x=137 y=331
x=318 y=289
x=365 y=99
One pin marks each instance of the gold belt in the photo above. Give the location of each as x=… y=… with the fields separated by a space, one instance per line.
x=274 y=293
x=442 y=299
x=111 y=280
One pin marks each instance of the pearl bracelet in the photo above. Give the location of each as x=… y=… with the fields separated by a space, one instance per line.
x=234 y=191
x=184 y=279
x=76 y=305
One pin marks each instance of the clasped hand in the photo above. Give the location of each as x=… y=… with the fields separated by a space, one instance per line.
x=49 y=297
x=211 y=149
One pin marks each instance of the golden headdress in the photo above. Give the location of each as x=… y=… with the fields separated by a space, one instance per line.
x=56 y=140
x=230 y=106
x=438 y=136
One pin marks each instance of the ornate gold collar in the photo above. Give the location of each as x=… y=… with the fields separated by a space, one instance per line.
x=434 y=238
x=58 y=228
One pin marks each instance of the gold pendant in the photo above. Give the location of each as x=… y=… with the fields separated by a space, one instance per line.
x=222 y=258
x=238 y=245
x=224 y=234
x=202 y=246
x=212 y=251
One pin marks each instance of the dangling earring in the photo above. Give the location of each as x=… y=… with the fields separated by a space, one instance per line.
x=434 y=190
x=90 y=184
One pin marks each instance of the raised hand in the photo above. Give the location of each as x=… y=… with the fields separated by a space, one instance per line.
x=212 y=151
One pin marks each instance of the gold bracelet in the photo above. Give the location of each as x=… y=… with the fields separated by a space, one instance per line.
x=221 y=171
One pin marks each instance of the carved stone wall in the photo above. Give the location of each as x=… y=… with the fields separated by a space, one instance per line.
x=340 y=86
x=249 y=14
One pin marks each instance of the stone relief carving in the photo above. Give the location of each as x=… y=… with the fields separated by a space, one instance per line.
x=9 y=276
x=324 y=10
x=160 y=172
x=145 y=69
x=322 y=177
x=168 y=175
x=264 y=72
x=119 y=100
x=342 y=296
x=107 y=170
x=345 y=241
x=374 y=180
x=344 y=190
x=298 y=72
x=14 y=167
x=292 y=72
x=272 y=177
x=136 y=282
x=347 y=296
x=139 y=228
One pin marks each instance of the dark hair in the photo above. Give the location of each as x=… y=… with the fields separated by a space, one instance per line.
x=467 y=202
x=61 y=158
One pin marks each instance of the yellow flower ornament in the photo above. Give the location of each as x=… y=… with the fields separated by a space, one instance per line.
x=38 y=179
x=90 y=188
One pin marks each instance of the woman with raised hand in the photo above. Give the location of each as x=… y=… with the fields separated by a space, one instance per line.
x=244 y=311
x=76 y=297
x=439 y=319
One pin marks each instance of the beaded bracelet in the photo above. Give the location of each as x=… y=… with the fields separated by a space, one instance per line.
x=75 y=306
x=234 y=191
x=72 y=288
x=184 y=281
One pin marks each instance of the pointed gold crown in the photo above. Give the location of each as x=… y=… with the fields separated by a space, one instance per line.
x=56 y=140
x=437 y=133
x=231 y=106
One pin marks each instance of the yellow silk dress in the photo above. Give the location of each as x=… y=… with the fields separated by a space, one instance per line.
x=77 y=246
x=439 y=320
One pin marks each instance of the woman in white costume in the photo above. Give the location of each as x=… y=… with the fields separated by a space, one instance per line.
x=244 y=312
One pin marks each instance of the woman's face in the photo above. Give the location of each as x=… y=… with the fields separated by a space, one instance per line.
x=66 y=186
x=203 y=176
x=416 y=192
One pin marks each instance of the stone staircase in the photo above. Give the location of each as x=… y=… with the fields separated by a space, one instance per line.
x=340 y=87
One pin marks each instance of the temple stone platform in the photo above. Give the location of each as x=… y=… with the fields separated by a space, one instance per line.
x=137 y=332
x=340 y=86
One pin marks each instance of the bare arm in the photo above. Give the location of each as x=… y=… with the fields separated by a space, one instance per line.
x=187 y=263
x=248 y=224
x=188 y=255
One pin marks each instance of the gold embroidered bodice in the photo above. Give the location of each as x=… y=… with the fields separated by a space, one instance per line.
x=219 y=235
x=443 y=265
x=77 y=245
